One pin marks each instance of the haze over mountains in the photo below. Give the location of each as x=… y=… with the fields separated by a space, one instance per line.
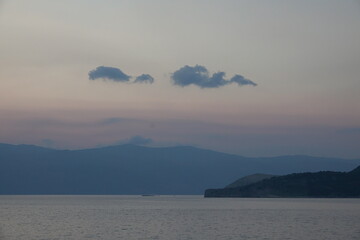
x=131 y=169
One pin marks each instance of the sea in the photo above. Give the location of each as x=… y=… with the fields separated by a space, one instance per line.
x=78 y=217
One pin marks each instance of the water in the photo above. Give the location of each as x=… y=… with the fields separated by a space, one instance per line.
x=176 y=217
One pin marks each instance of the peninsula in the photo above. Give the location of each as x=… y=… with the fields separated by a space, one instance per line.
x=325 y=184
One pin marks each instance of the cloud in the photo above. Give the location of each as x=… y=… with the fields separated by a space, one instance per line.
x=139 y=140
x=116 y=75
x=144 y=78
x=49 y=143
x=114 y=120
x=110 y=73
x=136 y=140
x=241 y=80
x=199 y=76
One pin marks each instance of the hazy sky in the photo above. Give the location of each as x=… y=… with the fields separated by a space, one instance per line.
x=255 y=78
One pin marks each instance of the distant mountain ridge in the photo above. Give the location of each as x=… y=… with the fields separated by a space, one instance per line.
x=132 y=169
x=247 y=180
x=325 y=184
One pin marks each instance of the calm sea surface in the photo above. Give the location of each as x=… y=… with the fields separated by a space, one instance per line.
x=177 y=217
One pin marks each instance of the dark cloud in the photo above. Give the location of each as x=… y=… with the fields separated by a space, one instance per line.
x=110 y=73
x=190 y=75
x=241 y=80
x=136 y=140
x=116 y=75
x=144 y=78
x=199 y=76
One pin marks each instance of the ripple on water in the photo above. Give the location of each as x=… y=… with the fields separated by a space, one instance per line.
x=176 y=217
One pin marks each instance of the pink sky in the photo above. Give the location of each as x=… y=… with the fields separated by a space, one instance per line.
x=304 y=56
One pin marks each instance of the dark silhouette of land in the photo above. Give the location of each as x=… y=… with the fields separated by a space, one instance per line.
x=131 y=169
x=325 y=184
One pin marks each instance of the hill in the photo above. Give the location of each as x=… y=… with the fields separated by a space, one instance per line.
x=131 y=169
x=247 y=180
x=325 y=184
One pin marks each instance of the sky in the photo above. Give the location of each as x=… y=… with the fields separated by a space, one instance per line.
x=253 y=78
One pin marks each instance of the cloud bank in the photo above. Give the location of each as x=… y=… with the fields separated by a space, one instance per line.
x=116 y=75
x=199 y=76
x=136 y=140
x=46 y=142
x=114 y=120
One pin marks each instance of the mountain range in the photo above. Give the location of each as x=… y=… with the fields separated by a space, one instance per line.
x=132 y=169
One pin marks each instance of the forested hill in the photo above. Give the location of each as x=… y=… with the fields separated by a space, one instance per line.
x=325 y=184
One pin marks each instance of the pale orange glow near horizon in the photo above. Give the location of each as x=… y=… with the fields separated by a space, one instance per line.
x=303 y=56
